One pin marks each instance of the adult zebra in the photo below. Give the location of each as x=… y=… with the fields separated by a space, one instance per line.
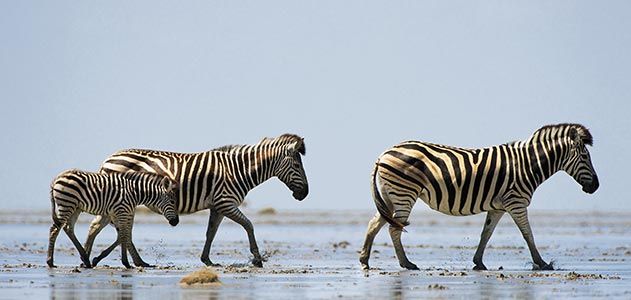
x=217 y=180
x=460 y=182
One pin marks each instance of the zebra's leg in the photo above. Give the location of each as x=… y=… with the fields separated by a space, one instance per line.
x=119 y=220
x=111 y=248
x=97 y=224
x=59 y=221
x=395 y=234
x=123 y=242
x=214 y=220
x=69 y=229
x=126 y=223
x=102 y=223
x=54 y=232
x=375 y=224
x=124 y=259
x=492 y=218
x=520 y=216
x=105 y=253
x=133 y=252
x=236 y=215
x=138 y=260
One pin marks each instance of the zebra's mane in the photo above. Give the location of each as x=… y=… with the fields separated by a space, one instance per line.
x=285 y=139
x=292 y=138
x=511 y=143
x=582 y=131
x=227 y=148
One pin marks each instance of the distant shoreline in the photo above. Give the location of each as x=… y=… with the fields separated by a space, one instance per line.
x=341 y=217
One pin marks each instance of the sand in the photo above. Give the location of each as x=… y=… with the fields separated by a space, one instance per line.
x=314 y=256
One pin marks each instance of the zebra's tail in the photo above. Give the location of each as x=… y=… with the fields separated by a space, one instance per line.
x=53 y=207
x=382 y=207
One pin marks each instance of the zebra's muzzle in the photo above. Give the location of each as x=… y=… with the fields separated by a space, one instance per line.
x=591 y=186
x=174 y=221
x=300 y=194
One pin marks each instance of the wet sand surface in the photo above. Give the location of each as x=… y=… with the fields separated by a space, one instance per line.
x=314 y=255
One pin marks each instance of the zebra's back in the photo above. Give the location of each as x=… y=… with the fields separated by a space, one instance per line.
x=454 y=181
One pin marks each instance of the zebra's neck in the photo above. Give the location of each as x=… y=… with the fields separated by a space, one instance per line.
x=535 y=160
x=254 y=165
x=143 y=190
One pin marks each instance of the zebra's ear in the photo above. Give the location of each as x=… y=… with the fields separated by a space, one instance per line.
x=298 y=146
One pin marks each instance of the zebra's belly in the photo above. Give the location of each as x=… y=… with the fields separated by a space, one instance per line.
x=452 y=205
x=468 y=209
x=97 y=211
x=192 y=205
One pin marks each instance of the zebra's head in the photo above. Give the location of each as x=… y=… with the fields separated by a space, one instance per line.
x=167 y=200
x=578 y=162
x=290 y=170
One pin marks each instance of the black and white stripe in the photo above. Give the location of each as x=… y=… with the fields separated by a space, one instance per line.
x=461 y=182
x=112 y=195
x=218 y=179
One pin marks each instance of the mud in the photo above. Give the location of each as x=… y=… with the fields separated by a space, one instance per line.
x=315 y=256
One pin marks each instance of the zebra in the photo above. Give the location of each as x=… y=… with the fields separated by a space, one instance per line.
x=113 y=195
x=218 y=180
x=461 y=182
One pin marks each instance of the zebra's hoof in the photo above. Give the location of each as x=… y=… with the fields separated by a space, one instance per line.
x=51 y=266
x=480 y=267
x=95 y=261
x=410 y=266
x=364 y=262
x=86 y=265
x=365 y=267
x=257 y=263
x=207 y=261
x=542 y=267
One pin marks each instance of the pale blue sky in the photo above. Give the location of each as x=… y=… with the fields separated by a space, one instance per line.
x=82 y=79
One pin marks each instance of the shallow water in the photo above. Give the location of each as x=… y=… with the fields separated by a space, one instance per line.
x=306 y=258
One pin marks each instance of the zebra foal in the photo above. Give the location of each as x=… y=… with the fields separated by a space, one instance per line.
x=461 y=182
x=115 y=196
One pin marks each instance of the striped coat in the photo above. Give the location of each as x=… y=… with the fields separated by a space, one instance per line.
x=218 y=179
x=461 y=182
x=112 y=195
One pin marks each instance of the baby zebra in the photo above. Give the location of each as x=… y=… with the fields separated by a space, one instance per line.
x=112 y=195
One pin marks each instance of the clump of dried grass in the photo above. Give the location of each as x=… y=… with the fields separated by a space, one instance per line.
x=205 y=276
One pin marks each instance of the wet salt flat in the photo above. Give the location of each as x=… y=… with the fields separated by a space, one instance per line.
x=314 y=255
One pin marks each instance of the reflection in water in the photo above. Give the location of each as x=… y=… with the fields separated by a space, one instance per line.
x=81 y=286
x=393 y=286
x=106 y=284
x=493 y=288
x=396 y=290
x=410 y=285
